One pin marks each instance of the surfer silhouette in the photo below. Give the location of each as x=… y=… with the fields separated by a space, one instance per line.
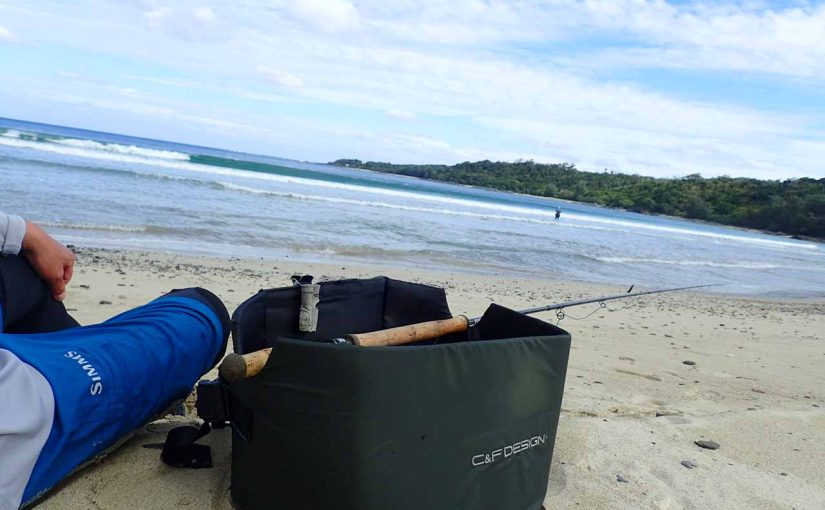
x=558 y=213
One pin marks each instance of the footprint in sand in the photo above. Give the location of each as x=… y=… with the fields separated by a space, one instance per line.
x=558 y=480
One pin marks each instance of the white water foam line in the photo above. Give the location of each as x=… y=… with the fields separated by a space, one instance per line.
x=222 y=171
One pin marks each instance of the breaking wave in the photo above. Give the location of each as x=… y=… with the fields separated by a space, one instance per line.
x=142 y=229
x=702 y=263
x=443 y=203
x=402 y=207
x=117 y=148
x=373 y=203
x=92 y=150
x=775 y=243
x=93 y=226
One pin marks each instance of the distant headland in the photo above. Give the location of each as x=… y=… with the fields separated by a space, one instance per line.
x=794 y=207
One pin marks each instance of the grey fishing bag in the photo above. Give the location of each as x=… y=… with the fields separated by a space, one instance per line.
x=467 y=421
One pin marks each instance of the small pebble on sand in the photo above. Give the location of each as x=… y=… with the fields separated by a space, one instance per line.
x=689 y=464
x=688 y=362
x=621 y=479
x=710 y=445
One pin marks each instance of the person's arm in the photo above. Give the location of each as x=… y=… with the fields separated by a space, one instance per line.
x=12 y=231
x=52 y=261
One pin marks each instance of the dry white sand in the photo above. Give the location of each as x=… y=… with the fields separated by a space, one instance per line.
x=632 y=408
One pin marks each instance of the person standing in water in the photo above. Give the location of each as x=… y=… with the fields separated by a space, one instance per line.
x=558 y=213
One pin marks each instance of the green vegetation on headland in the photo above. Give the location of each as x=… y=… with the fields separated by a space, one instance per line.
x=795 y=207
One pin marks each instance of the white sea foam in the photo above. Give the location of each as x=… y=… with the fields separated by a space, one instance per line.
x=118 y=153
x=388 y=205
x=776 y=243
x=477 y=204
x=93 y=226
x=606 y=224
x=11 y=133
x=178 y=161
x=117 y=148
x=300 y=181
x=158 y=244
x=704 y=263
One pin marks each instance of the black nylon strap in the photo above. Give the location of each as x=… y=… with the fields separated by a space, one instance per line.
x=180 y=449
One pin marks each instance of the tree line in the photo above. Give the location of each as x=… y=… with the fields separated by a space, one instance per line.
x=793 y=206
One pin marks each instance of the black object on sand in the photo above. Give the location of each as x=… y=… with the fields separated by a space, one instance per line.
x=467 y=420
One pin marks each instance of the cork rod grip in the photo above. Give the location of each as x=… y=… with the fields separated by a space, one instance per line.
x=412 y=333
x=237 y=366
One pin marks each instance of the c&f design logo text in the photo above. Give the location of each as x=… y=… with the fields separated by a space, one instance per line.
x=508 y=451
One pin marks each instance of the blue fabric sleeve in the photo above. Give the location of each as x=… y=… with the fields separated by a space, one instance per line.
x=111 y=378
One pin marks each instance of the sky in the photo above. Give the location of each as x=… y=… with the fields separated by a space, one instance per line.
x=636 y=86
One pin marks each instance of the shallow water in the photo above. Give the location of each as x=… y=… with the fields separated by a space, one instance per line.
x=107 y=190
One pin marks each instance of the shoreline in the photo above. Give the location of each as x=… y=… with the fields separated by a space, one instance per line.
x=203 y=209
x=631 y=408
x=320 y=259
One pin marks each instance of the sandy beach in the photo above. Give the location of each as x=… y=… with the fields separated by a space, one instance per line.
x=632 y=406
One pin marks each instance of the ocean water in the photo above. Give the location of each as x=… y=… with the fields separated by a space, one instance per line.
x=107 y=190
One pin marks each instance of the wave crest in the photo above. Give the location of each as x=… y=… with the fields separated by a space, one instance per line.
x=121 y=149
x=93 y=226
x=699 y=263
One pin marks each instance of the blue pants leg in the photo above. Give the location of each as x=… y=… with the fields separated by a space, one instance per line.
x=111 y=378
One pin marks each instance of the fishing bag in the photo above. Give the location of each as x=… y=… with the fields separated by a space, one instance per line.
x=467 y=421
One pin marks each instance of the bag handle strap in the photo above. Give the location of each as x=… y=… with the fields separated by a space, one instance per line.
x=180 y=449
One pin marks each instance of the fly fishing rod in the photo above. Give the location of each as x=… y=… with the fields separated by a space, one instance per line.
x=239 y=366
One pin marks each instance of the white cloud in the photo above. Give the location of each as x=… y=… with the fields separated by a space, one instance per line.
x=327 y=15
x=204 y=14
x=486 y=79
x=279 y=77
x=184 y=21
x=400 y=114
x=420 y=143
x=711 y=35
x=266 y=97
x=158 y=15
x=789 y=42
x=5 y=35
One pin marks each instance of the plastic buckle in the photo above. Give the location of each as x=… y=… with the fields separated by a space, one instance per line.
x=213 y=403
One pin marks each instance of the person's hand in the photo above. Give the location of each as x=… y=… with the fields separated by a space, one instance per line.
x=50 y=259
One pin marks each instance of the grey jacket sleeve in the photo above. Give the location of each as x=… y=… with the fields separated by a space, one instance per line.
x=27 y=401
x=12 y=230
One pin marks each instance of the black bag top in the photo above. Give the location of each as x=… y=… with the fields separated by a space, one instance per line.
x=346 y=306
